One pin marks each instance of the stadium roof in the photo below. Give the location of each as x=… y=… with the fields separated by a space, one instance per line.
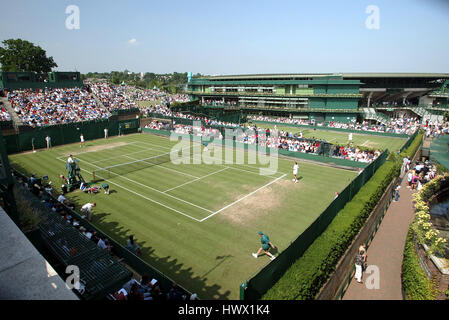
x=344 y=75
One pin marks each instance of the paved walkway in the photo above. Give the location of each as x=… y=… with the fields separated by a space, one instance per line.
x=386 y=251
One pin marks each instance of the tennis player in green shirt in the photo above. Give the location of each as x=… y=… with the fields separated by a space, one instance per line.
x=266 y=244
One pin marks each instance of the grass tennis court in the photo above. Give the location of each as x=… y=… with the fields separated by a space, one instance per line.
x=365 y=140
x=197 y=223
x=146 y=104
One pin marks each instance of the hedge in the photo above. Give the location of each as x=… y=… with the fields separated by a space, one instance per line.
x=413 y=147
x=307 y=275
x=414 y=281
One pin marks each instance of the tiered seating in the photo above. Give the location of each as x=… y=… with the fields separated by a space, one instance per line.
x=55 y=106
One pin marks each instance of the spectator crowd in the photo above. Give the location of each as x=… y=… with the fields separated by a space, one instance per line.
x=275 y=139
x=4 y=115
x=54 y=106
x=397 y=125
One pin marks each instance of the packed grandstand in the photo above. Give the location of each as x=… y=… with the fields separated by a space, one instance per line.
x=40 y=108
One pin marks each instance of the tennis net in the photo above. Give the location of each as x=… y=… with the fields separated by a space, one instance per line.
x=136 y=165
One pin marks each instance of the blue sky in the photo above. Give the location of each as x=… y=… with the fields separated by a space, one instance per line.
x=235 y=37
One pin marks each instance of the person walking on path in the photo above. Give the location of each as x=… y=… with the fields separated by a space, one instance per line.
x=358 y=267
x=386 y=252
x=266 y=244
x=396 y=193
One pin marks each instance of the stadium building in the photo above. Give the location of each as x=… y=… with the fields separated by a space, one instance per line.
x=340 y=97
x=32 y=80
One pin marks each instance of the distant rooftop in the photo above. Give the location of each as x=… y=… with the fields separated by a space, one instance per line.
x=344 y=75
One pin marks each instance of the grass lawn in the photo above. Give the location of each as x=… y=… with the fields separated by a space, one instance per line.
x=365 y=140
x=145 y=104
x=197 y=223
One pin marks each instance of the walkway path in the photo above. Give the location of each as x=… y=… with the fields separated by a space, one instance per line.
x=386 y=251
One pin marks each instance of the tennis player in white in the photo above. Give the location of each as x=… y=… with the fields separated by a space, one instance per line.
x=82 y=140
x=295 y=172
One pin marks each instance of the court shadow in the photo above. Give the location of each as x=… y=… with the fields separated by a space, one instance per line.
x=183 y=275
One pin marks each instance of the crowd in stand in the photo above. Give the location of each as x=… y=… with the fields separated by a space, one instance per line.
x=147 y=289
x=220 y=103
x=145 y=95
x=420 y=174
x=158 y=125
x=397 y=125
x=278 y=139
x=166 y=111
x=154 y=95
x=4 y=115
x=112 y=97
x=198 y=131
x=44 y=107
x=435 y=130
x=54 y=106
x=355 y=154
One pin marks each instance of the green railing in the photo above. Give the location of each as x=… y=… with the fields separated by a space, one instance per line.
x=258 y=284
x=132 y=260
x=100 y=273
x=301 y=109
x=269 y=94
x=299 y=155
x=67 y=133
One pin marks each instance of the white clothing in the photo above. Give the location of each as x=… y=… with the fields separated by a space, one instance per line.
x=295 y=169
x=358 y=272
x=87 y=207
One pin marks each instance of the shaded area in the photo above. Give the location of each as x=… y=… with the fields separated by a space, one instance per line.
x=439 y=151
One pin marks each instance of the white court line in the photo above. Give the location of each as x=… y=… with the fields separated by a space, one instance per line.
x=59 y=158
x=237 y=164
x=152 y=144
x=207 y=175
x=149 y=199
x=364 y=144
x=249 y=194
x=161 y=166
x=123 y=155
x=145 y=186
x=240 y=164
x=226 y=162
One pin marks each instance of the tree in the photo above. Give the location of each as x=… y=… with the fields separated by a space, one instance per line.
x=19 y=55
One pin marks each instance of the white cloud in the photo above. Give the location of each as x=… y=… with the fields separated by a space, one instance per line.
x=133 y=41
